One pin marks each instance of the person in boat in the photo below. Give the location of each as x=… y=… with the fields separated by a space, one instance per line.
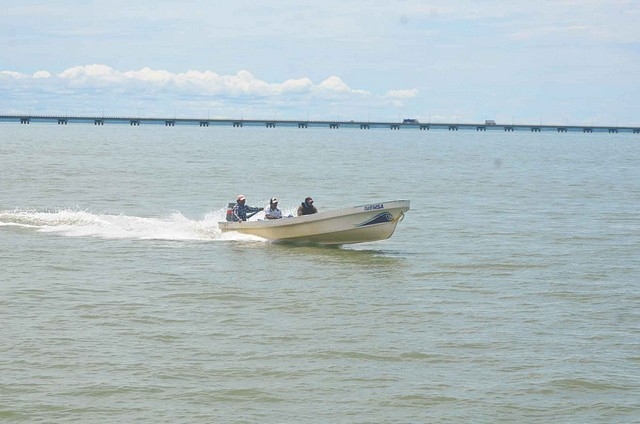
x=240 y=209
x=272 y=212
x=306 y=207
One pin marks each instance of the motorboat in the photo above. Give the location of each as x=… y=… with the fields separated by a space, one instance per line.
x=357 y=224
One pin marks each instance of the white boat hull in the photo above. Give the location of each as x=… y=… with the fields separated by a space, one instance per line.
x=358 y=224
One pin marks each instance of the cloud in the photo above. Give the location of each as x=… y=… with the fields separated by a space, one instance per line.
x=243 y=83
x=41 y=74
x=98 y=83
x=14 y=75
x=402 y=94
x=150 y=75
x=90 y=75
x=301 y=85
x=334 y=84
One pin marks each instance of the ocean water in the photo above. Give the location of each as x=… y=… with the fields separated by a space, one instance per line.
x=509 y=293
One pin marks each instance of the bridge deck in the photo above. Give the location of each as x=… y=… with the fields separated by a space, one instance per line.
x=266 y=123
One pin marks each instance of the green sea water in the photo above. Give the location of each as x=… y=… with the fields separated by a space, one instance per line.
x=509 y=293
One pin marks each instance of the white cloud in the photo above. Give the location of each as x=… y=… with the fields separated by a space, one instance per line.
x=335 y=86
x=301 y=85
x=242 y=83
x=98 y=83
x=87 y=71
x=149 y=75
x=91 y=74
x=402 y=94
x=12 y=74
x=21 y=76
x=41 y=74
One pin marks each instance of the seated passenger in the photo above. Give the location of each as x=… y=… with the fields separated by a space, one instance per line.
x=306 y=207
x=272 y=212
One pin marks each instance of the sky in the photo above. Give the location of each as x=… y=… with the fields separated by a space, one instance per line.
x=522 y=62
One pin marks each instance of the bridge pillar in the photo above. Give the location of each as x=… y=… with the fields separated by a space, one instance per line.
x=364 y=126
x=302 y=125
x=270 y=124
x=334 y=126
x=25 y=120
x=62 y=122
x=636 y=130
x=169 y=123
x=613 y=130
x=204 y=123
x=481 y=128
x=453 y=128
x=134 y=122
x=424 y=127
x=98 y=122
x=395 y=127
x=535 y=129
x=508 y=129
x=587 y=130
x=239 y=124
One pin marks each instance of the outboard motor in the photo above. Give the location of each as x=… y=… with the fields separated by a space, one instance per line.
x=230 y=211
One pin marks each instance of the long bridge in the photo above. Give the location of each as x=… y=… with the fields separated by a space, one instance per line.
x=273 y=123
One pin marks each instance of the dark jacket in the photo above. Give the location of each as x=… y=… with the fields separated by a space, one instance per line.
x=306 y=209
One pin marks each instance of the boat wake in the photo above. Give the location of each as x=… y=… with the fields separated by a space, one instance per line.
x=81 y=223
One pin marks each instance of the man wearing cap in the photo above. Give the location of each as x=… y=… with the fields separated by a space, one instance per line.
x=272 y=212
x=240 y=209
x=306 y=207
